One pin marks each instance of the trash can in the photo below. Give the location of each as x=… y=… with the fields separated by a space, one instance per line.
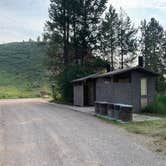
x=126 y=113
x=116 y=111
x=110 y=110
x=97 y=108
x=103 y=108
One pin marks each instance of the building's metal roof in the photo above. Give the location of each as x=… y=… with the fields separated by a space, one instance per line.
x=120 y=71
x=116 y=72
x=86 y=78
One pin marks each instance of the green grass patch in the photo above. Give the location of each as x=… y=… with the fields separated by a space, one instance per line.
x=22 y=70
x=157 y=107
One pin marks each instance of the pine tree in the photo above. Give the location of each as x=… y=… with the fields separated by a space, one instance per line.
x=153 y=48
x=153 y=45
x=109 y=36
x=127 y=41
x=74 y=24
x=38 y=39
x=91 y=11
x=58 y=27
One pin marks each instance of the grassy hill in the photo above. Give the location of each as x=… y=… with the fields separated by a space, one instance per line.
x=22 y=70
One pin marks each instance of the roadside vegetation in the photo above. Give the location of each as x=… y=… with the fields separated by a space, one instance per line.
x=155 y=131
x=157 y=107
x=22 y=70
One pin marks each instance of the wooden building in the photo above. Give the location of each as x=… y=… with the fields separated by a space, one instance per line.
x=133 y=86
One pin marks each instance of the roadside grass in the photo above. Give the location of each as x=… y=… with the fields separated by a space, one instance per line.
x=157 y=107
x=155 y=130
x=23 y=72
x=15 y=86
x=12 y=92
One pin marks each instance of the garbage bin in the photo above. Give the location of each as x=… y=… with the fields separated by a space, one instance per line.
x=116 y=111
x=103 y=108
x=110 y=110
x=126 y=113
x=97 y=108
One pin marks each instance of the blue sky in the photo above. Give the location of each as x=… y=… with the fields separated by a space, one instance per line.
x=24 y=19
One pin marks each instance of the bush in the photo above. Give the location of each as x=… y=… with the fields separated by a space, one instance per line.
x=157 y=107
x=63 y=81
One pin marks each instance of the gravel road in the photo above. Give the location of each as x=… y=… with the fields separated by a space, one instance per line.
x=36 y=133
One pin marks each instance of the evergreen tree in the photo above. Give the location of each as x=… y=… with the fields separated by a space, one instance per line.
x=91 y=11
x=109 y=35
x=127 y=41
x=58 y=28
x=153 y=48
x=38 y=39
x=73 y=24
x=153 y=45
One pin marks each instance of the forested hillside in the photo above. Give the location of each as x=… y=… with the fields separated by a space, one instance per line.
x=22 y=69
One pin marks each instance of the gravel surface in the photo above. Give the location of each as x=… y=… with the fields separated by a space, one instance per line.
x=36 y=133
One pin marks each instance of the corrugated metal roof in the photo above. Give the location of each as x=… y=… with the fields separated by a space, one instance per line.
x=116 y=72
x=86 y=78
x=120 y=71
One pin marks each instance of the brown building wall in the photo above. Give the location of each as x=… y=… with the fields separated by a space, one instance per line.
x=126 y=93
x=113 y=92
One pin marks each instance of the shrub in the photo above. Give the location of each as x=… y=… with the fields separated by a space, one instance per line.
x=157 y=107
x=64 y=85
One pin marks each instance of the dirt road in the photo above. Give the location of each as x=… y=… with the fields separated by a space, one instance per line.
x=36 y=133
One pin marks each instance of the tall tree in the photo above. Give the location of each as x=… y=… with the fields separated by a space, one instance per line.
x=91 y=12
x=109 y=35
x=127 y=40
x=153 y=44
x=59 y=24
x=74 y=24
x=153 y=48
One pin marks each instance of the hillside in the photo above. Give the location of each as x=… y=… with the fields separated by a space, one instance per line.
x=22 y=70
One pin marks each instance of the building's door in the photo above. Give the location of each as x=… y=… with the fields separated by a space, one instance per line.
x=89 y=93
x=86 y=95
x=144 y=92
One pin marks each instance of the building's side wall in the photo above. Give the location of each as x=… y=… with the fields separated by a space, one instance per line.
x=78 y=95
x=126 y=93
x=151 y=89
x=104 y=92
x=113 y=92
x=136 y=90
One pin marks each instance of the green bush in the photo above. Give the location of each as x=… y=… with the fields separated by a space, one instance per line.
x=157 y=107
x=63 y=81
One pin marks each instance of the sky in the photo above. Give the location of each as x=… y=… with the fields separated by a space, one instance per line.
x=24 y=19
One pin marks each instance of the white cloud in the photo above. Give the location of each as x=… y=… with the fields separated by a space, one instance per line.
x=131 y=4
x=143 y=9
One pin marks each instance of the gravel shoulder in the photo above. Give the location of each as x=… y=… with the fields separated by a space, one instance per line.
x=37 y=133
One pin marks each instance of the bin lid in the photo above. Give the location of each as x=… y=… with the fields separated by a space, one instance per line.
x=101 y=102
x=123 y=105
